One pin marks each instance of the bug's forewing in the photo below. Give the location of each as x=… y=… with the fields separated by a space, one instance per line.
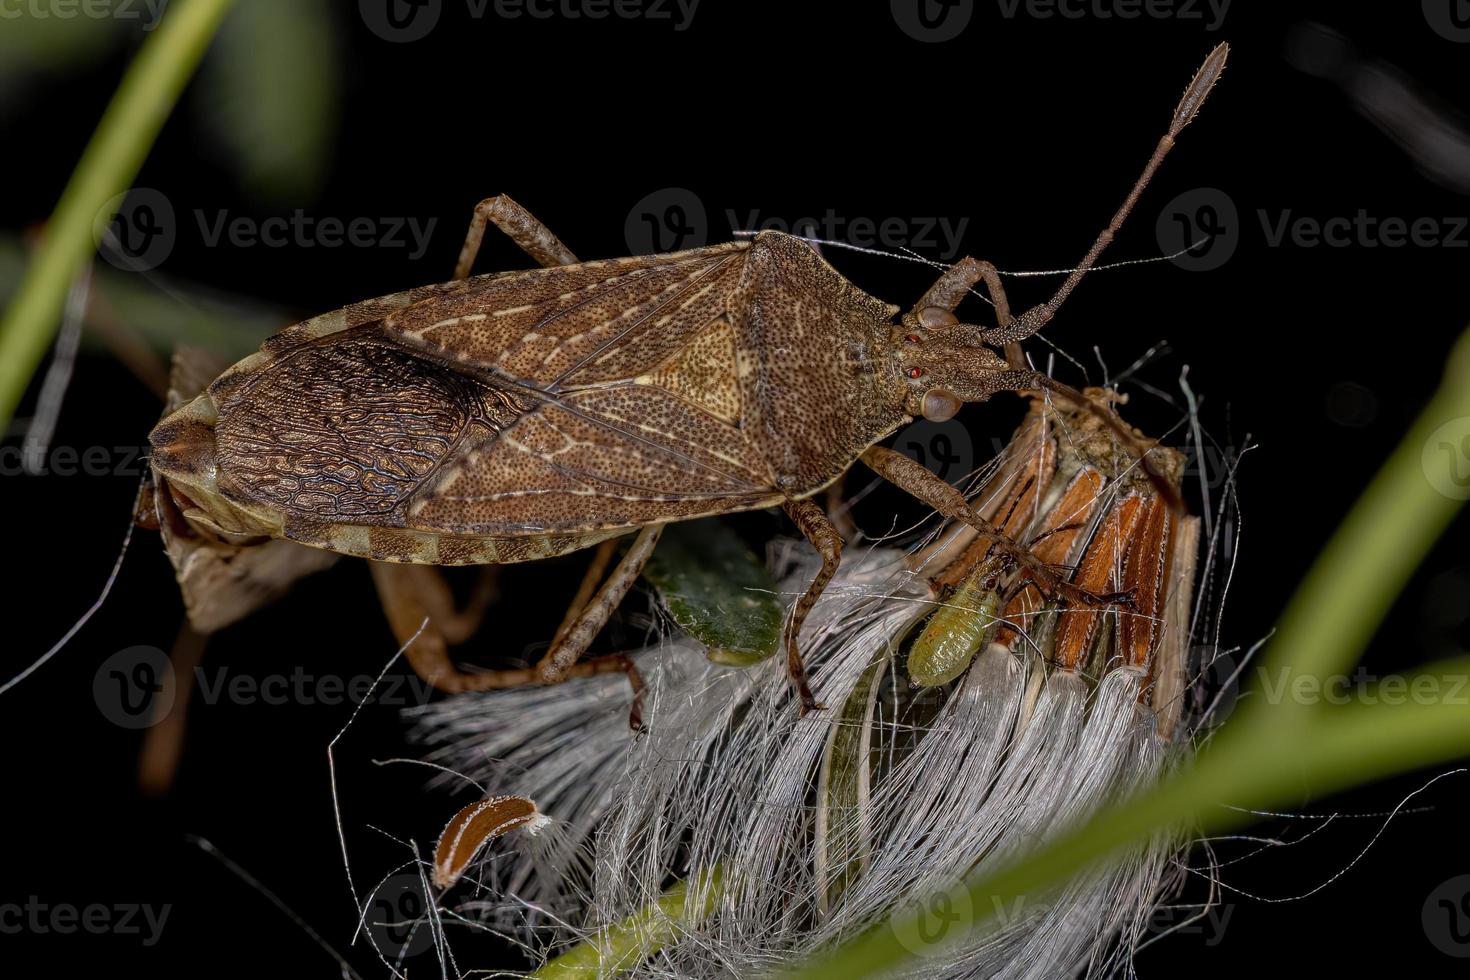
x=556 y=403
x=612 y=396
x=223 y=582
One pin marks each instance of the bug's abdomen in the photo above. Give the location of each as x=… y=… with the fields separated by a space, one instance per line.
x=342 y=431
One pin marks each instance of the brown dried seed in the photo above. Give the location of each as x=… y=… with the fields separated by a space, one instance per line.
x=477 y=825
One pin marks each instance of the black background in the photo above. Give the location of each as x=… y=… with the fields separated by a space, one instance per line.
x=1032 y=128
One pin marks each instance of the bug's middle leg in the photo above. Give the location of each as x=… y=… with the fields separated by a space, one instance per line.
x=820 y=531
x=520 y=226
x=955 y=285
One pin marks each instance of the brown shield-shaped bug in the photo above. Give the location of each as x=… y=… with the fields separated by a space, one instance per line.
x=521 y=415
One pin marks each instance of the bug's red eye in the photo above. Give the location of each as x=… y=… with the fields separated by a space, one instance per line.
x=916 y=372
x=912 y=338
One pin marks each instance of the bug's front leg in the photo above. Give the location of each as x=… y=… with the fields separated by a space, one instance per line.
x=819 y=530
x=955 y=285
x=520 y=226
x=914 y=479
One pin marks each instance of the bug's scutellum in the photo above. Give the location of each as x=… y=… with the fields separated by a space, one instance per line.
x=521 y=415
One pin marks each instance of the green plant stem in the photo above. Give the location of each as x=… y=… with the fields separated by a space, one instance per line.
x=620 y=947
x=1374 y=552
x=108 y=166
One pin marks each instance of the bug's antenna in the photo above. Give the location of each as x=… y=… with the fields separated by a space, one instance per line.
x=1194 y=96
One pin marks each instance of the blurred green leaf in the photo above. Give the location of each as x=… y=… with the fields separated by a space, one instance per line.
x=269 y=94
x=717 y=590
x=163 y=312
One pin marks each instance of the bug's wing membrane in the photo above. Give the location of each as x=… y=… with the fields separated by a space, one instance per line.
x=618 y=384
x=571 y=326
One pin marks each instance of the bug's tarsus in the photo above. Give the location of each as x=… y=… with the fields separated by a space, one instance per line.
x=1037 y=317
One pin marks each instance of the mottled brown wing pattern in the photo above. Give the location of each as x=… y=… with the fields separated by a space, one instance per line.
x=639 y=415
x=602 y=395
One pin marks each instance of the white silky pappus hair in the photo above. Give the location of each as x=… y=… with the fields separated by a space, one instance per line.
x=728 y=777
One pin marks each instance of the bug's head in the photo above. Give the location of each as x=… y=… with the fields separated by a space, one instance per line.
x=186 y=474
x=945 y=364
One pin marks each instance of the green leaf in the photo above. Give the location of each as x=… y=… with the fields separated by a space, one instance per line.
x=270 y=94
x=718 y=591
x=111 y=160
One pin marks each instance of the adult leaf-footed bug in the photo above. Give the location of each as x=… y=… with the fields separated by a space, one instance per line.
x=520 y=415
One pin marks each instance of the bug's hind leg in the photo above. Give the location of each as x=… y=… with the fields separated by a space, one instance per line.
x=412 y=594
x=420 y=607
x=819 y=530
x=520 y=226
x=587 y=616
x=955 y=285
x=912 y=478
